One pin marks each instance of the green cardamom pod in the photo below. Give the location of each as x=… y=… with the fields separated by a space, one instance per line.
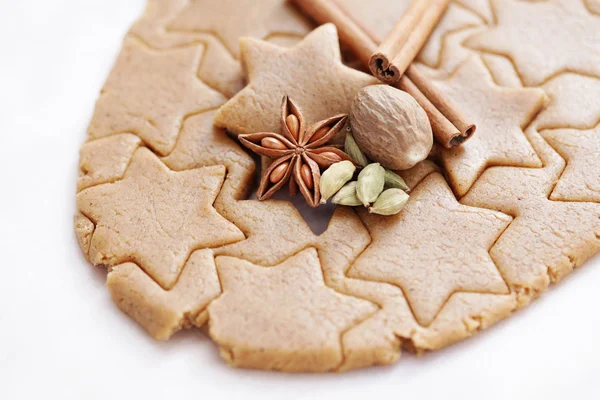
x=370 y=183
x=389 y=202
x=334 y=178
x=354 y=152
x=346 y=196
x=393 y=180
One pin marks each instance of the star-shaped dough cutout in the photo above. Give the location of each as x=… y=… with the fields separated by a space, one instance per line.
x=378 y=339
x=202 y=144
x=580 y=181
x=282 y=317
x=500 y=114
x=163 y=312
x=311 y=73
x=151 y=26
x=105 y=160
x=150 y=93
x=574 y=102
x=547 y=239
x=544 y=38
x=218 y=68
x=156 y=217
x=231 y=19
x=274 y=229
x=429 y=271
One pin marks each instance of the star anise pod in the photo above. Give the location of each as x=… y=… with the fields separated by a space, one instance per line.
x=299 y=153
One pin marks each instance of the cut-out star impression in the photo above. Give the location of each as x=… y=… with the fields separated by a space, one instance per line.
x=404 y=253
x=150 y=92
x=500 y=114
x=231 y=19
x=544 y=38
x=156 y=217
x=580 y=181
x=218 y=68
x=282 y=317
x=202 y=144
x=311 y=73
x=574 y=102
x=275 y=230
x=105 y=160
x=547 y=239
x=163 y=312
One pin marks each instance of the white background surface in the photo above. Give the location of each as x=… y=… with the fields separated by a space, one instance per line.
x=62 y=337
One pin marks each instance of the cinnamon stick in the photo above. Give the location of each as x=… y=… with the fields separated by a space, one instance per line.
x=444 y=106
x=444 y=131
x=398 y=50
x=363 y=43
x=350 y=33
x=450 y=132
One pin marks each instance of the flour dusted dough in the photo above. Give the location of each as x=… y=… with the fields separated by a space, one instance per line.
x=163 y=193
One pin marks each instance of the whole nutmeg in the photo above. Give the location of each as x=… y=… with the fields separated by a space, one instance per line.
x=390 y=127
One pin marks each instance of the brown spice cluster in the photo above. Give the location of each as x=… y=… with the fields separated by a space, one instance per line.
x=298 y=152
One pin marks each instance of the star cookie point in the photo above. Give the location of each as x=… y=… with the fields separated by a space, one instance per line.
x=500 y=112
x=156 y=217
x=302 y=334
x=311 y=73
x=430 y=271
